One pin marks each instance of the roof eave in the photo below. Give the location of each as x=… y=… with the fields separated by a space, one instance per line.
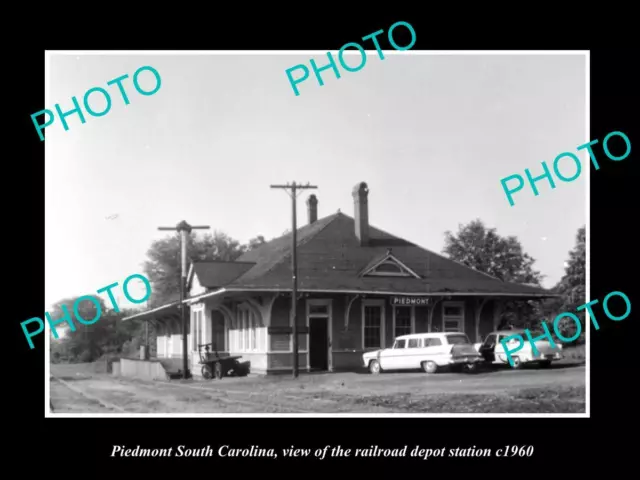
x=143 y=315
x=232 y=288
x=202 y=296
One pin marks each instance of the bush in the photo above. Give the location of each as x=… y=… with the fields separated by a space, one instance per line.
x=132 y=347
x=85 y=357
x=110 y=362
x=576 y=352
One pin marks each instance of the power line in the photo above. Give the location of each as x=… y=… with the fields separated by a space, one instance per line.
x=292 y=190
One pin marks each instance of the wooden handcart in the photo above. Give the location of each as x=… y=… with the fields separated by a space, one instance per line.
x=214 y=365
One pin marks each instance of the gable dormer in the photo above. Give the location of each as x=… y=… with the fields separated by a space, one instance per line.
x=194 y=287
x=388 y=266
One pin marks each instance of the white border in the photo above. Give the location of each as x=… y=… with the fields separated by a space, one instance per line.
x=587 y=236
x=587 y=413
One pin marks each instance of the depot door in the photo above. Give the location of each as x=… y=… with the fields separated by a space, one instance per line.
x=218 y=333
x=319 y=321
x=318 y=344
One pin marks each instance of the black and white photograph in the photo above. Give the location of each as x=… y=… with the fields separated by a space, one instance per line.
x=225 y=237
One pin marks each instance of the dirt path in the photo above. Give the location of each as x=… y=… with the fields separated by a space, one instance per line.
x=355 y=384
x=265 y=401
x=87 y=392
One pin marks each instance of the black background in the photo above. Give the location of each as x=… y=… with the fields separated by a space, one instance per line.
x=83 y=446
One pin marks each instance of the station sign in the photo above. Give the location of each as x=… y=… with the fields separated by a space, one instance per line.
x=410 y=300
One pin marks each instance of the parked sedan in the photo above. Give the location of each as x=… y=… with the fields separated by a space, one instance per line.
x=493 y=352
x=426 y=351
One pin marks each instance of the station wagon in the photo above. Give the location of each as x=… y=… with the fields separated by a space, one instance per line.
x=426 y=351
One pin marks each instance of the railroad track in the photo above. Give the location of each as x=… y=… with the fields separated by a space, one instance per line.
x=228 y=401
x=260 y=405
x=103 y=403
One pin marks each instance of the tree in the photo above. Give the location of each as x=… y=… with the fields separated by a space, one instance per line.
x=484 y=250
x=572 y=287
x=110 y=336
x=573 y=284
x=162 y=266
x=78 y=344
x=87 y=343
x=255 y=242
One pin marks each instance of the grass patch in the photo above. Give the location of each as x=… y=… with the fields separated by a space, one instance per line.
x=576 y=353
x=71 y=379
x=533 y=400
x=77 y=369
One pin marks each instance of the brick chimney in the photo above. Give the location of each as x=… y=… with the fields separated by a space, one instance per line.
x=312 y=208
x=361 y=212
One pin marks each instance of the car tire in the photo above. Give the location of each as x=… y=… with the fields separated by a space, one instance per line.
x=429 y=366
x=206 y=372
x=517 y=363
x=471 y=367
x=374 y=367
x=218 y=372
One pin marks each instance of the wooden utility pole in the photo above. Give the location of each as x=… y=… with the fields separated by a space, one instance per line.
x=183 y=229
x=294 y=187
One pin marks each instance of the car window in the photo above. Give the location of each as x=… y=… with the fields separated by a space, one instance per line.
x=457 y=339
x=431 y=342
x=490 y=341
x=399 y=344
x=414 y=343
x=501 y=338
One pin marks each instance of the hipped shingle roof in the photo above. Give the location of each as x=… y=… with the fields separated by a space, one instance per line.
x=330 y=258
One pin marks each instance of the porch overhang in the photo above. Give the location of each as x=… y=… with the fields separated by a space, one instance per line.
x=163 y=315
x=204 y=296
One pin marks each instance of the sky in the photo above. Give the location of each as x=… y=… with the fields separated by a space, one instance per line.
x=432 y=135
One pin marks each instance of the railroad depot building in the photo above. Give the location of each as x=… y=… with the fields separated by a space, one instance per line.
x=358 y=288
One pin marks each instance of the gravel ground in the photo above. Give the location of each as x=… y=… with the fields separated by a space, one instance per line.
x=560 y=389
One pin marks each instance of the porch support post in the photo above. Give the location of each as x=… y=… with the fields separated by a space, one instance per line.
x=478 y=311
x=255 y=307
x=267 y=308
x=497 y=312
x=205 y=327
x=431 y=311
x=348 y=311
x=161 y=335
x=173 y=320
